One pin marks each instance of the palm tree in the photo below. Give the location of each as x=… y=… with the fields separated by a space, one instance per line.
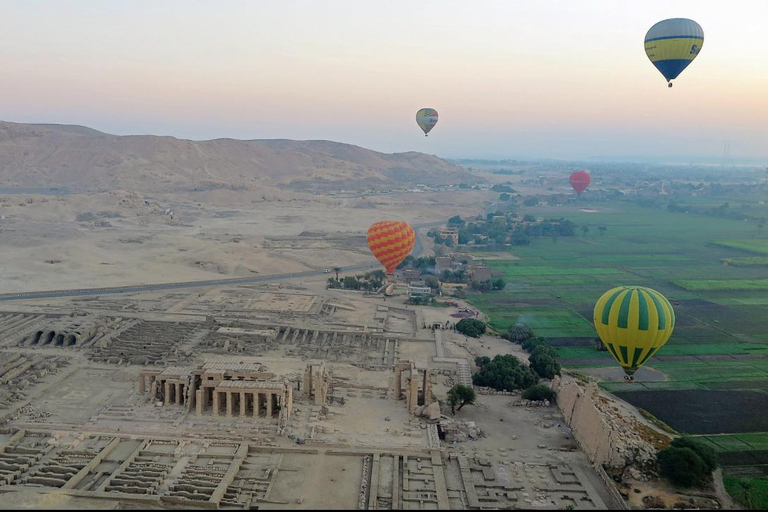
x=584 y=230
x=520 y=332
x=602 y=230
x=337 y=270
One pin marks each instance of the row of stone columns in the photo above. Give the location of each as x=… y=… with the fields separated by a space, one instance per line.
x=256 y=398
x=178 y=393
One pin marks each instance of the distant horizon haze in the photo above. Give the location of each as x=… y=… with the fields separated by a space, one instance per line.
x=559 y=80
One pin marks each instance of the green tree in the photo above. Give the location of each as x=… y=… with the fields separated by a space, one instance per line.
x=432 y=281
x=543 y=361
x=539 y=392
x=504 y=196
x=337 y=270
x=531 y=201
x=707 y=453
x=481 y=361
x=602 y=230
x=505 y=373
x=456 y=220
x=482 y=286
x=471 y=327
x=498 y=284
x=519 y=332
x=682 y=467
x=350 y=283
x=584 y=230
x=520 y=240
x=461 y=395
x=531 y=343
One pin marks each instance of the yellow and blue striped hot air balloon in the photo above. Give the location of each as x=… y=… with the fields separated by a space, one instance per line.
x=673 y=44
x=634 y=322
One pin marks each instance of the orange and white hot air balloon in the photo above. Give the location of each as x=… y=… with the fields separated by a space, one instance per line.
x=391 y=241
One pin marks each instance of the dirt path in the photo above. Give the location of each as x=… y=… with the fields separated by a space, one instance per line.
x=722 y=495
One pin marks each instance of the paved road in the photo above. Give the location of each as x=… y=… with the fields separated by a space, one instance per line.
x=171 y=286
x=418 y=248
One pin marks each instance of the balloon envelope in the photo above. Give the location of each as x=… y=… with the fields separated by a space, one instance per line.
x=673 y=44
x=426 y=118
x=580 y=181
x=391 y=241
x=633 y=322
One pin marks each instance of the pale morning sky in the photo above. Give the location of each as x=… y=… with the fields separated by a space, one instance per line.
x=561 y=78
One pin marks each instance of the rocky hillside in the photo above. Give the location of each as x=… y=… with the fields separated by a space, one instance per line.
x=81 y=159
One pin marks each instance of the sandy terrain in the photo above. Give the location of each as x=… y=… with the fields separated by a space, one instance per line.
x=215 y=235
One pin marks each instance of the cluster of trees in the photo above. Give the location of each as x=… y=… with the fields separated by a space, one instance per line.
x=687 y=462
x=418 y=263
x=471 y=327
x=514 y=230
x=488 y=285
x=723 y=211
x=543 y=358
x=503 y=373
x=370 y=281
x=458 y=276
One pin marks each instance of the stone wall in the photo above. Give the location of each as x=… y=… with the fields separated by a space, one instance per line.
x=608 y=437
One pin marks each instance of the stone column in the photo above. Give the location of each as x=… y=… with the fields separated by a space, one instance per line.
x=269 y=405
x=306 y=387
x=242 y=404
x=229 y=404
x=199 y=402
x=398 y=381
x=167 y=389
x=178 y=394
x=142 y=383
x=427 y=386
x=215 y=402
x=414 y=389
x=255 y=404
x=288 y=401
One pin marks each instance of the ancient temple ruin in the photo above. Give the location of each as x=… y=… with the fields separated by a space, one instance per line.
x=233 y=389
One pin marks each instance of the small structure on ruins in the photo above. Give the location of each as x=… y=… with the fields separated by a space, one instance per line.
x=414 y=397
x=315 y=383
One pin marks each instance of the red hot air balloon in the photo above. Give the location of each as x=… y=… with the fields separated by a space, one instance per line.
x=580 y=181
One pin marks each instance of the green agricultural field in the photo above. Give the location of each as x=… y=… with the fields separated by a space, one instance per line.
x=755 y=261
x=723 y=284
x=721 y=330
x=756 y=246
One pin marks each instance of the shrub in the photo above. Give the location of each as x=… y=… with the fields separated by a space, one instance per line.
x=470 y=327
x=539 y=392
x=682 y=466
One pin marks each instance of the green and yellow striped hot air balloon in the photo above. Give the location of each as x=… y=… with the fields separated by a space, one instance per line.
x=634 y=322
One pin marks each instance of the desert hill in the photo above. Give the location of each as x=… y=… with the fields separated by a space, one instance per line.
x=82 y=159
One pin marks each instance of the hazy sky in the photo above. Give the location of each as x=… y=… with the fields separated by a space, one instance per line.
x=557 y=78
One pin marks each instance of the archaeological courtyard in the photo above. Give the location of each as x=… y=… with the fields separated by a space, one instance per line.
x=280 y=395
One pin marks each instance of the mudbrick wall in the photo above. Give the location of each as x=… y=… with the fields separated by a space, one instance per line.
x=609 y=437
